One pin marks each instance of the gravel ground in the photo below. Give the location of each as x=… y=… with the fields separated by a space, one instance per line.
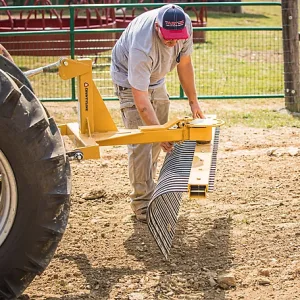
x=241 y=242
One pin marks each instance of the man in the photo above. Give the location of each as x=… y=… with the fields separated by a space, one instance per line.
x=152 y=45
x=5 y=53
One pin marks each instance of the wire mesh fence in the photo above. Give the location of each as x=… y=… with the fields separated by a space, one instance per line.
x=237 y=63
x=231 y=60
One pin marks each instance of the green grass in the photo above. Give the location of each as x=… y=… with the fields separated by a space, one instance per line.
x=259 y=113
x=258 y=118
x=238 y=62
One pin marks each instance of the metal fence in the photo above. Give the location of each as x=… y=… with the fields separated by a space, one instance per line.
x=230 y=62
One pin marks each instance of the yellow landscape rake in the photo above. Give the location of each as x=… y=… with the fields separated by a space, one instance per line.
x=189 y=168
x=35 y=177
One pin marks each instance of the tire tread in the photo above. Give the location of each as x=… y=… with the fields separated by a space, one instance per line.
x=23 y=116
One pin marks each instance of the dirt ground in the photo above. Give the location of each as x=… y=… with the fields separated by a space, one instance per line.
x=241 y=242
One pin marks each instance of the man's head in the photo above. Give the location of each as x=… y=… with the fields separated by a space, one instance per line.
x=171 y=23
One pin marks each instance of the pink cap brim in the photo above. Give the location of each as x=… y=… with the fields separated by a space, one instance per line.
x=181 y=34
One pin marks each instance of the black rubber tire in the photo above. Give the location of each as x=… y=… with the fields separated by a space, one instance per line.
x=32 y=144
x=9 y=67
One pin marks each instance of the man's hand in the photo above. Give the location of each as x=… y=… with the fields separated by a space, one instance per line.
x=167 y=146
x=196 y=110
x=5 y=53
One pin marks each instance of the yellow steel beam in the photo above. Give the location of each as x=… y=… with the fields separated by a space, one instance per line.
x=87 y=145
x=200 y=171
x=142 y=135
x=93 y=113
x=97 y=128
x=90 y=152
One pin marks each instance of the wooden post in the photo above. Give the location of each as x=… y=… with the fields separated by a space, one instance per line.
x=291 y=54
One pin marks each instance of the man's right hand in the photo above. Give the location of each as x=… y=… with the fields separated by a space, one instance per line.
x=167 y=146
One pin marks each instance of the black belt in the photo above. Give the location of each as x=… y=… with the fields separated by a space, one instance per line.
x=122 y=88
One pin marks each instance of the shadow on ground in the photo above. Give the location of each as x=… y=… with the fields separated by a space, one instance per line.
x=191 y=257
x=195 y=256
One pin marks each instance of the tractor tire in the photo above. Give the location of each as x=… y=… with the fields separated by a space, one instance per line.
x=34 y=187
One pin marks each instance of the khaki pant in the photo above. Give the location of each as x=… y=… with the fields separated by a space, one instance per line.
x=142 y=158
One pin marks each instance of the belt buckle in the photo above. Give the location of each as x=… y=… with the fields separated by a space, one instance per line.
x=121 y=88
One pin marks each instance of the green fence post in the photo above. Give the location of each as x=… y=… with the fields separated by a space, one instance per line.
x=72 y=44
x=181 y=93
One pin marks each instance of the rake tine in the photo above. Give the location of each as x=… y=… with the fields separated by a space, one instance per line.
x=213 y=166
x=162 y=213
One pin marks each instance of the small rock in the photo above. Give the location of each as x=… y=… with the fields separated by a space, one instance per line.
x=273 y=262
x=62 y=282
x=271 y=151
x=296 y=270
x=279 y=152
x=293 y=151
x=228 y=146
x=264 y=272
x=140 y=249
x=226 y=281
x=94 y=194
x=104 y=164
x=210 y=245
x=136 y=296
x=263 y=281
x=212 y=282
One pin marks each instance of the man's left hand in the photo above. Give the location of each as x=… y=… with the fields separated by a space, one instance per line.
x=196 y=110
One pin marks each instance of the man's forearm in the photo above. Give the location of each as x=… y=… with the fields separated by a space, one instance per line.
x=187 y=81
x=144 y=107
x=148 y=114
